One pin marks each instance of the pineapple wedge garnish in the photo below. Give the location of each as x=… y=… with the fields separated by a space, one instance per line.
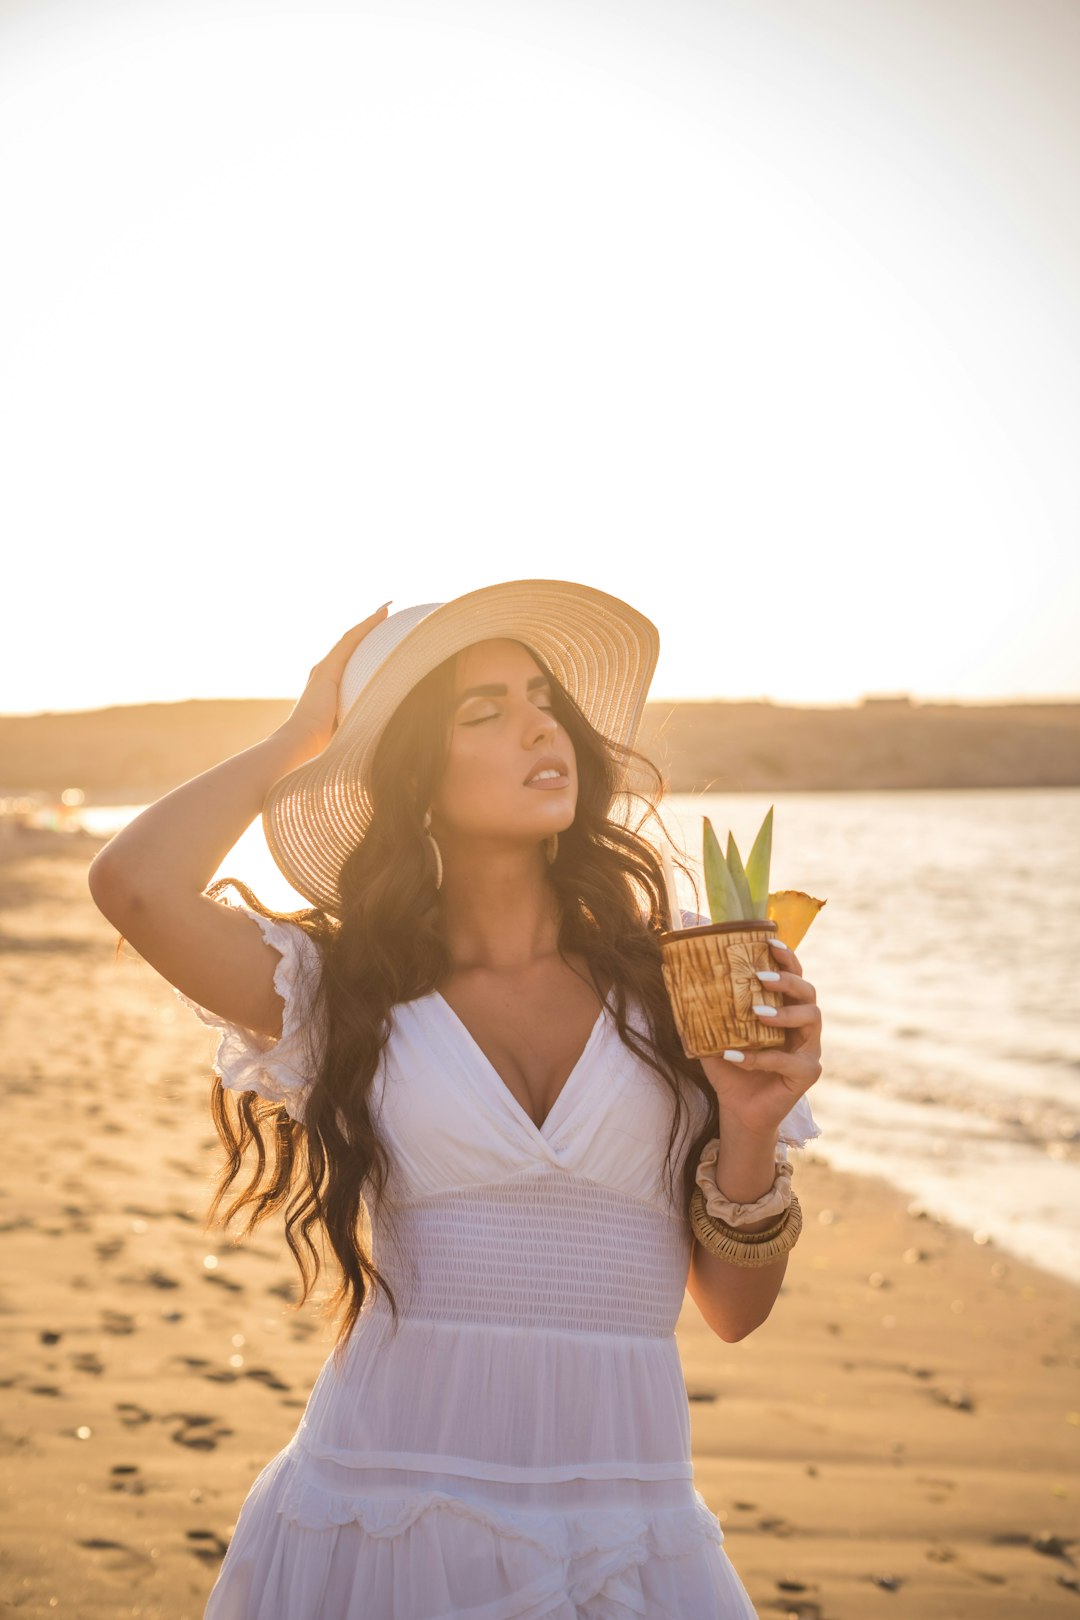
x=793 y=912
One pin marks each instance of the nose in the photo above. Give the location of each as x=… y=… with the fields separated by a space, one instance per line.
x=544 y=724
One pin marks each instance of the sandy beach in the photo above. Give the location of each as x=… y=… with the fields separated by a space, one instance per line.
x=901 y=1437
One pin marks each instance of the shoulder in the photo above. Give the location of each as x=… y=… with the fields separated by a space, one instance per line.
x=281 y=1070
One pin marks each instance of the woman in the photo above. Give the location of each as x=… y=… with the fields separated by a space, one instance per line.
x=466 y=1045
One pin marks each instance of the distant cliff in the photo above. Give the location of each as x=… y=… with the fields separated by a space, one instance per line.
x=134 y=754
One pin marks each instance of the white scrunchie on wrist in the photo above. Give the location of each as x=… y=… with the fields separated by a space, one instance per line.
x=773 y=1202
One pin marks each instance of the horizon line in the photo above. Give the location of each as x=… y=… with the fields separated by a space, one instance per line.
x=866 y=699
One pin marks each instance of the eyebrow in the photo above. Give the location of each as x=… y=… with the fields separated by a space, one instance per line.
x=500 y=691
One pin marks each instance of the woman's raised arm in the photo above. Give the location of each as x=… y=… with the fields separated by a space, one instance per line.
x=149 y=879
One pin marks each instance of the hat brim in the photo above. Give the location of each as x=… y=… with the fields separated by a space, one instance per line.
x=600 y=649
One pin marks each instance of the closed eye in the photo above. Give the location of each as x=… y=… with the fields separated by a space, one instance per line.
x=547 y=708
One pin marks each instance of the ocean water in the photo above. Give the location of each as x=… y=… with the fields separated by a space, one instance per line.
x=947 y=985
x=948 y=993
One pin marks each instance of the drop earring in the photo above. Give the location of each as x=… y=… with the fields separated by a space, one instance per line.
x=435 y=850
x=551 y=847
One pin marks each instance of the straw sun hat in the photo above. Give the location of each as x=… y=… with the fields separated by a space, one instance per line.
x=599 y=648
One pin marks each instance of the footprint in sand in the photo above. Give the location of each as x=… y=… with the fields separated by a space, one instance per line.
x=958 y=1399
x=703 y=1395
x=109 y=1248
x=776 y=1527
x=208 y=1545
x=263 y=1375
x=86 y=1361
x=125 y=1478
x=131 y=1415
x=125 y=1557
x=198 y=1430
x=117 y=1322
x=223 y=1282
x=101 y=1161
x=1051 y=1546
x=150 y=1279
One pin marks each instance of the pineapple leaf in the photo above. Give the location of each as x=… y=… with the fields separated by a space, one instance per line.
x=757 y=868
x=722 y=894
x=738 y=877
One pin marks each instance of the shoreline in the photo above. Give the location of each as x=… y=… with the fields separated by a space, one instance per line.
x=900 y=1436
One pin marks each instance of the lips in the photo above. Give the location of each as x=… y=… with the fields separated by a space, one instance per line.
x=550 y=762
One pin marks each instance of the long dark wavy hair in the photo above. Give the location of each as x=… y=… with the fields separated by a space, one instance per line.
x=387 y=947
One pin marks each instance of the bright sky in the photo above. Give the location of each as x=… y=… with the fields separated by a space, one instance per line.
x=763 y=317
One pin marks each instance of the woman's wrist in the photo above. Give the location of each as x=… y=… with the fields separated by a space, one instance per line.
x=293 y=744
x=745 y=1162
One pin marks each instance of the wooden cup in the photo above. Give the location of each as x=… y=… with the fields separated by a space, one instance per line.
x=710 y=974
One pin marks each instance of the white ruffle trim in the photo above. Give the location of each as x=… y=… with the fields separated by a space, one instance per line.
x=282 y=1071
x=668 y=1532
x=614 y=1541
x=797 y=1127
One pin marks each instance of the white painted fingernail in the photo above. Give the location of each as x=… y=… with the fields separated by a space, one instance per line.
x=770 y=978
x=765 y=1012
x=734 y=1057
x=779 y=944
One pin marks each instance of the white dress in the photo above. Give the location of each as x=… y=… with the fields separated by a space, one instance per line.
x=521 y=1448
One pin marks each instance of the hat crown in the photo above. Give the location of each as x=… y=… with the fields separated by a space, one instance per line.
x=375 y=648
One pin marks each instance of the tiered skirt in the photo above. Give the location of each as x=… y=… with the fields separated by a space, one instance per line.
x=488 y=1474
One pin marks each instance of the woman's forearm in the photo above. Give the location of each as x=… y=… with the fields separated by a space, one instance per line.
x=736 y=1299
x=178 y=842
x=746 y=1167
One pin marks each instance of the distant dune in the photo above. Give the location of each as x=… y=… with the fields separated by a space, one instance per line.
x=134 y=754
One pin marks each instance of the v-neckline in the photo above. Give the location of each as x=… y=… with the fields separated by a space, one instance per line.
x=539 y=1130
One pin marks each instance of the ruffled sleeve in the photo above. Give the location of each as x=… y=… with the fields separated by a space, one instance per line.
x=798 y=1126
x=281 y=1070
